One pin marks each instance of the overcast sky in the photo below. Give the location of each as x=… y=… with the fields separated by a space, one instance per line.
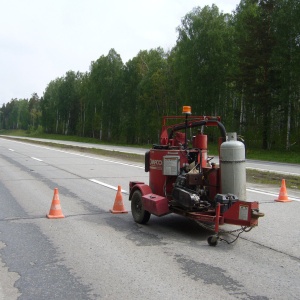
x=41 y=40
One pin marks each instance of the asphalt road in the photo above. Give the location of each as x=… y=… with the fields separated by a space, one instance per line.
x=93 y=254
x=282 y=168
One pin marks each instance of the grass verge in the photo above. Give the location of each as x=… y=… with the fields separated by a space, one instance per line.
x=261 y=177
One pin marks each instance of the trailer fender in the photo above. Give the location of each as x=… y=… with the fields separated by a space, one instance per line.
x=142 y=187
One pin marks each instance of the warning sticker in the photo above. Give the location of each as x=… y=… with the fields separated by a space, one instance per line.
x=243 y=213
x=171 y=165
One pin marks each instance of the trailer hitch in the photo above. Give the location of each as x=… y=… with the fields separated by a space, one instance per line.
x=255 y=214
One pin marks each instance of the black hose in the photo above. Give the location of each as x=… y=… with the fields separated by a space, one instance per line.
x=199 y=123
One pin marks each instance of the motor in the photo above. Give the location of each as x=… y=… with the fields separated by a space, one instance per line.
x=184 y=196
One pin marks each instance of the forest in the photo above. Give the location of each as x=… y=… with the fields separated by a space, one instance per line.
x=243 y=67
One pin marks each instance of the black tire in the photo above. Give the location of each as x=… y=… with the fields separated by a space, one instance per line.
x=212 y=241
x=140 y=215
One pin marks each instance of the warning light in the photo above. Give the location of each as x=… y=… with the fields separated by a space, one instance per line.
x=186 y=110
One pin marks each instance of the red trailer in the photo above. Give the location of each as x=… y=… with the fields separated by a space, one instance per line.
x=184 y=180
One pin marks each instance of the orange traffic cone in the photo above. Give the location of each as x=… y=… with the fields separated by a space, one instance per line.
x=118 y=207
x=283 y=196
x=55 y=209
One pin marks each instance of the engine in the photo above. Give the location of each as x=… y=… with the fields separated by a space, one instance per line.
x=189 y=196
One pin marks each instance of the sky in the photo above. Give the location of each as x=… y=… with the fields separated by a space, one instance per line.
x=40 y=40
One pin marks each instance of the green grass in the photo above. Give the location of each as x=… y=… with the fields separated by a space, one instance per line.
x=261 y=177
x=274 y=155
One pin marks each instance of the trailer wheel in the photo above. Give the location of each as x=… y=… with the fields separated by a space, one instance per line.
x=212 y=240
x=140 y=215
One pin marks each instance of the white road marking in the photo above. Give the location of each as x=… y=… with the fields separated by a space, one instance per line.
x=82 y=155
x=11 y=150
x=36 y=158
x=108 y=185
x=270 y=194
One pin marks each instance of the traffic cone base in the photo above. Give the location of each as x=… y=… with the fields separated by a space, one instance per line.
x=119 y=207
x=283 y=196
x=55 y=209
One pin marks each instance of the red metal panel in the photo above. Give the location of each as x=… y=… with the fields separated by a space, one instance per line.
x=240 y=213
x=156 y=204
x=156 y=177
x=157 y=180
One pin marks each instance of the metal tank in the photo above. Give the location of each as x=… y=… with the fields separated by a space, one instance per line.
x=233 y=167
x=200 y=142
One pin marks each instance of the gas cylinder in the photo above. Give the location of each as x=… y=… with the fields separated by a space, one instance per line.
x=233 y=167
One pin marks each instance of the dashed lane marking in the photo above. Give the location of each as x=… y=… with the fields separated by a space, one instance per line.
x=107 y=185
x=36 y=158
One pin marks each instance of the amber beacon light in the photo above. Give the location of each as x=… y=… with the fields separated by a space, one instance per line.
x=186 y=110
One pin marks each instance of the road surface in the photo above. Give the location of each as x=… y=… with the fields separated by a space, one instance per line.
x=93 y=254
x=282 y=168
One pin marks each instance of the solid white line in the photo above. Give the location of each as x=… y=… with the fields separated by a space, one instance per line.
x=270 y=194
x=108 y=185
x=36 y=158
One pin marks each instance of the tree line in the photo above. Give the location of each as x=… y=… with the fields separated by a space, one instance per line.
x=244 y=67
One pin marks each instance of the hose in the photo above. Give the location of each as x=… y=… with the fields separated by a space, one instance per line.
x=199 y=123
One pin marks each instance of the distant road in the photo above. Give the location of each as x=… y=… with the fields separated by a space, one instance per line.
x=133 y=150
x=282 y=168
